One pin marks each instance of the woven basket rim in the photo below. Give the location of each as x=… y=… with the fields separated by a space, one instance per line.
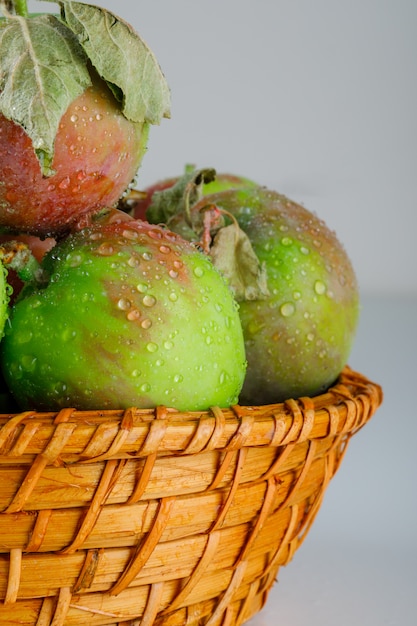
x=103 y=434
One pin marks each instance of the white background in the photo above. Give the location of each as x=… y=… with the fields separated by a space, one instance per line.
x=318 y=99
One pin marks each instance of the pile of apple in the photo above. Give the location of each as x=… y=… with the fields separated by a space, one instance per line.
x=200 y=290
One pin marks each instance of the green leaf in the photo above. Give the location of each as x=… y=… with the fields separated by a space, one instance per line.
x=233 y=255
x=178 y=199
x=122 y=59
x=42 y=70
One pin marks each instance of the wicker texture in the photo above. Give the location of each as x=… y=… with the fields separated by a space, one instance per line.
x=154 y=517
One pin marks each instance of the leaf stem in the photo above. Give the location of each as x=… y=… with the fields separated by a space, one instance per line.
x=21 y=8
x=18 y=7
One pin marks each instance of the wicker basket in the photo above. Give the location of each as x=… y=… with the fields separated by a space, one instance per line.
x=143 y=517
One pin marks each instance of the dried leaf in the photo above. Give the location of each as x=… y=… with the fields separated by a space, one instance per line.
x=122 y=59
x=44 y=62
x=38 y=81
x=234 y=257
x=178 y=199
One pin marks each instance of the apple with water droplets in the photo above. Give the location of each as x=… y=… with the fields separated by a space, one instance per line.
x=299 y=337
x=75 y=114
x=130 y=314
x=97 y=154
x=299 y=306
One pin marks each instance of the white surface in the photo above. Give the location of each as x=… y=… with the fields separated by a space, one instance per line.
x=316 y=99
x=358 y=564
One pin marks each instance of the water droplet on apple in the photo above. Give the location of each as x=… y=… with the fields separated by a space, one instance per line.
x=105 y=249
x=133 y=261
x=124 y=304
x=28 y=362
x=199 y=272
x=319 y=287
x=74 y=259
x=133 y=315
x=24 y=336
x=154 y=234
x=69 y=334
x=130 y=234
x=149 y=300
x=287 y=309
x=64 y=184
x=224 y=377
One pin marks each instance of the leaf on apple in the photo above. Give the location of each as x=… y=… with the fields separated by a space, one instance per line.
x=233 y=255
x=44 y=62
x=184 y=209
x=178 y=199
x=122 y=59
x=38 y=81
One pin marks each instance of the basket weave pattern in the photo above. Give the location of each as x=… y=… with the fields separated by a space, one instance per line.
x=155 y=517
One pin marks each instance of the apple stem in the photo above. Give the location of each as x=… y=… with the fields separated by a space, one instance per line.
x=17 y=7
x=21 y=8
x=212 y=221
x=17 y=256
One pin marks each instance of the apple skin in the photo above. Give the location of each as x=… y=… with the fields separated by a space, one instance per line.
x=97 y=154
x=299 y=338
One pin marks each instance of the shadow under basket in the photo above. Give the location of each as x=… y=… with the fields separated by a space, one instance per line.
x=156 y=517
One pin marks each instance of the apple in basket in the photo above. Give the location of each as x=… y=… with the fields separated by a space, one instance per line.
x=297 y=291
x=74 y=114
x=124 y=313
